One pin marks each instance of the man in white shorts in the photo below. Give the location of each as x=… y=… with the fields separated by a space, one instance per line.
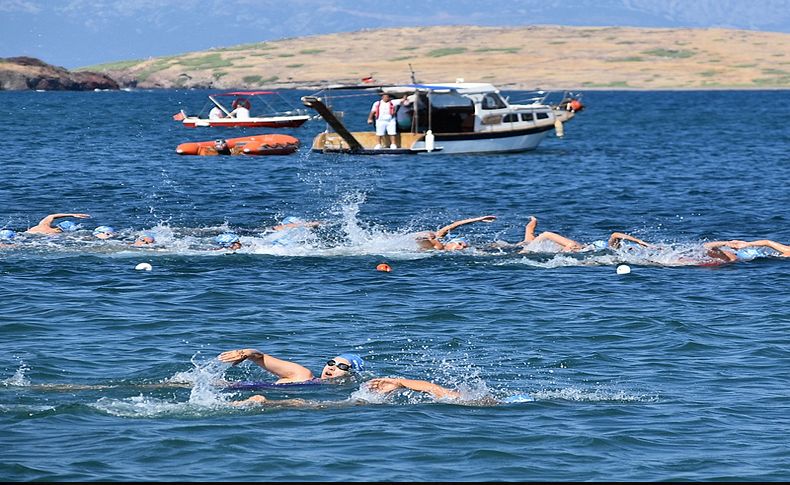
x=383 y=112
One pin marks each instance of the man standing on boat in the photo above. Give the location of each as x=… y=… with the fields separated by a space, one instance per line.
x=383 y=111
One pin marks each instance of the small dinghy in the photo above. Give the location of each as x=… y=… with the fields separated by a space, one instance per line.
x=246 y=145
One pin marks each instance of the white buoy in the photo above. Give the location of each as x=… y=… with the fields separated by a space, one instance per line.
x=143 y=267
x=623 y=269
x=558 y=128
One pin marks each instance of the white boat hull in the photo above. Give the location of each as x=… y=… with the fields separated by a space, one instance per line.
x=494 y=142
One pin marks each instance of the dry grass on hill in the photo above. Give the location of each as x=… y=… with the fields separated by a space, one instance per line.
x=546 y=57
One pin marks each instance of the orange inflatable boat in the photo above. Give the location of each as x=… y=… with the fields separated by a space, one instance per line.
x=246 y=145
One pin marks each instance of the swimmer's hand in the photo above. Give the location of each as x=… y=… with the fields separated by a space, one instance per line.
x=81 y=216
x=236 y=357
x=256 y=399
x=487 y=219
x=384 y=385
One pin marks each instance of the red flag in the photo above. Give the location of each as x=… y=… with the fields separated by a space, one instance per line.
x=368 y=79
x=179 y=116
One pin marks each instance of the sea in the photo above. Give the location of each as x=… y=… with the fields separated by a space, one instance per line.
x=676 y=370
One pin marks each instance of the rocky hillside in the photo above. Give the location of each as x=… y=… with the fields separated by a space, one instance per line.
x=24 y=73
x=547 y=57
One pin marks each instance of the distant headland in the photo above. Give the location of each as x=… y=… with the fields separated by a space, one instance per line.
x=28 y=73
x=529 y=57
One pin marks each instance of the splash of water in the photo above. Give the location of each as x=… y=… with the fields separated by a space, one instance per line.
x=19 y=379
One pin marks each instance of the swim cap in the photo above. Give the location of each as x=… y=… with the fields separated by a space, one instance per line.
x=67 y=226
x=103 y=230
x=515 y=398
x=7 y=234
x=357 y=363
x=146 y=238
x=748 y=254
x=226 y=239
x=458 y=240
x=599 y=244
x=292 y=220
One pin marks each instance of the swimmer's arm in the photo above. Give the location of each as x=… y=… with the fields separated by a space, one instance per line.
x=310 y=224
x=617 y=237
x=444 y=230
x=285 y=370
x=386 y=385
x=782 y=248
x=46 y=222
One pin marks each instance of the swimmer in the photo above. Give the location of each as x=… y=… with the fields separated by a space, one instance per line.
x=337 y=368
x=104 y=232
x=145 y=239
x=569 y=245
x=428 y=240
x=228 y=240
x=7 y=237
x=45 y=225
x=739 y=250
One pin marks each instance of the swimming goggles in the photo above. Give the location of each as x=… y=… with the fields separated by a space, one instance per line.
x=339 y=365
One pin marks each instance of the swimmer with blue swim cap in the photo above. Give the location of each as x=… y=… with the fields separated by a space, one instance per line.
x=7 y=235
x=344 y=365
x=567 y=245
x=434 y=240
x=145 y=239
x=739 y=250
x=104 y=232
x=228 y=240
x=45 y=225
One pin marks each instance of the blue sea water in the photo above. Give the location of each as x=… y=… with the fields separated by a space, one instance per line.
x=672 y=372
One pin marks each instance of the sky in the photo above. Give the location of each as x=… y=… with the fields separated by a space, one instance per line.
x=79 y=33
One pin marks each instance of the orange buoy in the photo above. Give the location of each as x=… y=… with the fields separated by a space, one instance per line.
x=384 y=267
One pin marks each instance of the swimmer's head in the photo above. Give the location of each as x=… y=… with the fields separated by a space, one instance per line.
x=104 y=232
x=343 y=365
x=456 y=243
x=220 y=144
x=228 y=240
x=67 y=226
x=145 y=239
x=7 y=234
x=292 y=220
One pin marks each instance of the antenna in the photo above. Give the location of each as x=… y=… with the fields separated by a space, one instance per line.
x=413 y=80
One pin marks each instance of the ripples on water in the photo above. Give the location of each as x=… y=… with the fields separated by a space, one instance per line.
x=668 y=373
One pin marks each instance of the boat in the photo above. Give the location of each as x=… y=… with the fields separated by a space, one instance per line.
x=268 y=144
x=454 y=117
x=268 y=114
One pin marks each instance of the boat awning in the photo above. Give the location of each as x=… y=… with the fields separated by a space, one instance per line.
x=245 y=93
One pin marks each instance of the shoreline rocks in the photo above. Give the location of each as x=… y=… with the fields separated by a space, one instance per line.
x=28 y=73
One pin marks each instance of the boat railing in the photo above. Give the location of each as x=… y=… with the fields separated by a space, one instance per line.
x=547 y=98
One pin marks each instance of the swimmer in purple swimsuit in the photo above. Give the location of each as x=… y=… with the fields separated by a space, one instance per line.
x=344 y=365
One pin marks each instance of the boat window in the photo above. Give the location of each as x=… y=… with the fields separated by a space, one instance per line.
x=510 y=118
x=450 y=113
x=542 y=116
x=526 y=117
x=493 y=101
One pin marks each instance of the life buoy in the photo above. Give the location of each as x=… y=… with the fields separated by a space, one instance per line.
x=576 y=105
x=241 y=102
